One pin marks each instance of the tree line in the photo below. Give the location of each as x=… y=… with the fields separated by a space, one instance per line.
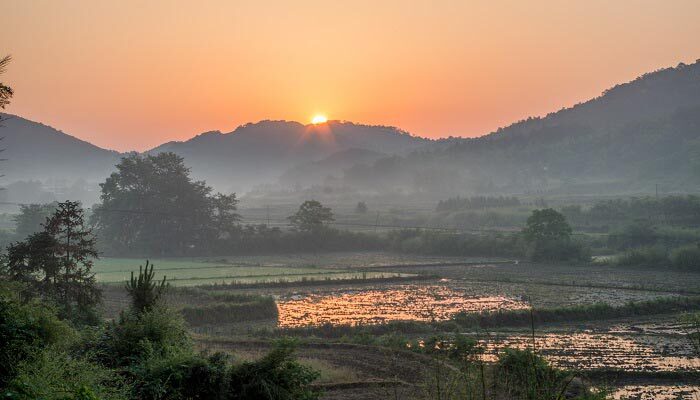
x=476 y=203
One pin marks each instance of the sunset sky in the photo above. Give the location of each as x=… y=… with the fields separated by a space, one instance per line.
x=133 y=74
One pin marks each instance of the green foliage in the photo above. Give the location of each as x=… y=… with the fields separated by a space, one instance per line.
x=56 y=263
x=636 y=234
x=686 y=258
x=5 y=91
x=549 y=237
x=311 y=217
x=181 y=375
x=361 y=208
x=144 y=291
x=547 y=224
x=521 y=374
x=137 y=336
x=250 y=309
x=430 y=242
x=54 y=374
x=652 y=256
x=24 y=329
x=151 y=205
x=31 y=218
x=591 y=312
x=691 y=325
x=277 y=376
x=476 y=203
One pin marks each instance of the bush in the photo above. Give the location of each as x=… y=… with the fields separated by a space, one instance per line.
x=137 y=336
x=181 y=375
x=525 y=375
x=25 y=329
x=644 y=257
x=686 y=258
x=53 y=374
x=277 y=376
x=251 y=309
x=550 y=250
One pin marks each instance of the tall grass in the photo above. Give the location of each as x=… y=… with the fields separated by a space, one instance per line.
x=232 y=309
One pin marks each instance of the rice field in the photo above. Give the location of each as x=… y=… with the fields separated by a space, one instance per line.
x=203 y=271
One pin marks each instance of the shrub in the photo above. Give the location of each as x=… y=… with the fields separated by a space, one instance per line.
x=250 y=309
x=277 y=376
x=137 y=336
x=181 y=375
x=643 y=256
x=53 y=374
x=24 y=329
x=686 y=258
x=525 y=375
x=549 y=250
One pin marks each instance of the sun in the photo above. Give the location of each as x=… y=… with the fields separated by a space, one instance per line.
x=319 y=119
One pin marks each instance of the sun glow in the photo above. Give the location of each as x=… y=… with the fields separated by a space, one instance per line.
x=319 y=119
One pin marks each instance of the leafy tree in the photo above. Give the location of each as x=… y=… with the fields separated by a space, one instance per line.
x=311 y=217
x=546 y=224
x=57 y=263
x=5 y=91
x=144 y=291
x=361 y=208
x=152 y=206
x=549 y=238
x=31 y=218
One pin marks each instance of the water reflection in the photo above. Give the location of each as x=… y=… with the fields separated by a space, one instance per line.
x=593 y=351
x=406 y=302
x=657 y=392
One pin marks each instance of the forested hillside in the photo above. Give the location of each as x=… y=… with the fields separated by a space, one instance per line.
x=635 y=135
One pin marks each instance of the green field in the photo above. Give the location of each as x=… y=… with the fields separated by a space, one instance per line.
x=208 y=271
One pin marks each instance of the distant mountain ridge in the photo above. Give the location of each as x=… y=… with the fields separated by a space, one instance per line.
x=252 y=154
x=260 y=152
x=634 y=134
x=37 y=151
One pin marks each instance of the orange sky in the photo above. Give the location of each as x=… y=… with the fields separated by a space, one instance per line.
x=133 y=74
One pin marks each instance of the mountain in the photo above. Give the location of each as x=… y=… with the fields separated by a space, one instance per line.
x=252 y=154
x=260 y=152
x=633 y=136
x=35 y=151
x=333 y=165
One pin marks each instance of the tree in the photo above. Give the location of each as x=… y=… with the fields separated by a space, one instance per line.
x=6 y=92
x=152 y=206
x=311 y=217
x=31 y=218
x=546 y=224
x=361 y=208
x=549 y=238
x=145 y=291
x=57 y=263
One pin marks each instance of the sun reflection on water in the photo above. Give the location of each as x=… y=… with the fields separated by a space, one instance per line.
x=415 y=303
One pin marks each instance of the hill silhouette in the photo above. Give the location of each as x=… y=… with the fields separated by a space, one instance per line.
x=633 y=136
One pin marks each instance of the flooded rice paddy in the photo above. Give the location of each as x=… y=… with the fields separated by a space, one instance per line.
x=589 y=351
x=657 y=392
x=373 y=306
